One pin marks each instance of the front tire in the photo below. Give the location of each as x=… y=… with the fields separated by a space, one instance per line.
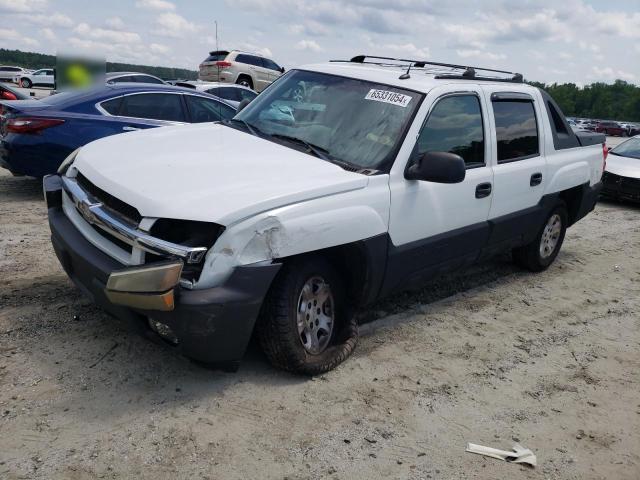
x=305 y=326
x=543 y=250
x=26 y=83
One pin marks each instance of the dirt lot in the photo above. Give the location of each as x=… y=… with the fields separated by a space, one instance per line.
x=490 y=356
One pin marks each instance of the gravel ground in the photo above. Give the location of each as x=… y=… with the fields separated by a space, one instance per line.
x=491 y=355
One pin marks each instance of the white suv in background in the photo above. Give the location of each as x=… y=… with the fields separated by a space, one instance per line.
x=9 y=74
x=244 y=68
x=41 y=78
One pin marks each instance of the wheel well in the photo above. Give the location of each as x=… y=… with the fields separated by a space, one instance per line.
x=572 y=198
x=350 y=260
x=244 y=75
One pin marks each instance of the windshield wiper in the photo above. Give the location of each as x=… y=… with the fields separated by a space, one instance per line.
x=324 y=154
x=252 y=129
x=319 y=152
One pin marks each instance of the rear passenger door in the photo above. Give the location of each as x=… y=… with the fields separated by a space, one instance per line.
x=520 y=170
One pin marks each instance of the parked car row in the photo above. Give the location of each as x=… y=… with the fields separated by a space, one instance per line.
x=36 y=135
x=607 y=127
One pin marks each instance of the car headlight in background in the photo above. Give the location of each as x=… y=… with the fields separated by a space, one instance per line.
x=67 y=162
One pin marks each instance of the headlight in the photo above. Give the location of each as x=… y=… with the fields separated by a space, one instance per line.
x=67 y=162
x=189 y=233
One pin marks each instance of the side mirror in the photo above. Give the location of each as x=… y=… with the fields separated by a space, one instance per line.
x=243 y=104
x=439 y=167
x=281 y=69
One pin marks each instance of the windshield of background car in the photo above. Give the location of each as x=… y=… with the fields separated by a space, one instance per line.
x=354 y=121
x=630 y=148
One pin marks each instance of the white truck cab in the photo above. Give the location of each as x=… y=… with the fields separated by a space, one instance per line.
x=341 y=183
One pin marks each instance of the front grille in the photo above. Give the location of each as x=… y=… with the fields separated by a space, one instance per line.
x=121 y=208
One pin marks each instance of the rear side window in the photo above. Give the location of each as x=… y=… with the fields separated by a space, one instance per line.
x=249 y=59
x=516 y=130
x=207 y=110
x=112 y=106
x=157 y=106
x=230 y=93
x=455 y=126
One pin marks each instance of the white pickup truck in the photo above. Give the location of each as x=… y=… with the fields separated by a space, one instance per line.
x=341 y=183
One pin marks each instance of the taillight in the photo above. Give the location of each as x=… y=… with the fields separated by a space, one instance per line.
x=7 y=96
x=605 y=153
x=223 y=64
x=31 y=125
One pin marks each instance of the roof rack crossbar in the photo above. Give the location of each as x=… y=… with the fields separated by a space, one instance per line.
x=469 y=72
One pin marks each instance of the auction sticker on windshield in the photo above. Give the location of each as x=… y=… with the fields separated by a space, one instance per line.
x=388 y=97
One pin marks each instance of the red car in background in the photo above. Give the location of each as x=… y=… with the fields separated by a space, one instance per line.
x=610 y=128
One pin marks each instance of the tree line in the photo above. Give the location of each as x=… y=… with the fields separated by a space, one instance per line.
x=617 y=101
x=35 y=61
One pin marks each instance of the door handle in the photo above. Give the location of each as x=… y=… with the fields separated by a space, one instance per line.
x=129 y=128
x=483 y=190
x=536 y=179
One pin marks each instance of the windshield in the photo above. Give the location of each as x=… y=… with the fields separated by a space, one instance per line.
x=630 y=148
x=353 y=121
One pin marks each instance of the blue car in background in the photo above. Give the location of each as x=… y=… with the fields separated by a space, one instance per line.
x=37 y=135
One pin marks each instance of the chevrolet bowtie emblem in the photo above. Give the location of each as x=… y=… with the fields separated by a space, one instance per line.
x=84 y=208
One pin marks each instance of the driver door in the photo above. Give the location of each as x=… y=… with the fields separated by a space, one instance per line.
x=435 y=226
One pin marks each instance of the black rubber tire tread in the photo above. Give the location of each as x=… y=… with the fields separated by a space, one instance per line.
x=277 y=329
x=248 y=78
x=528 y=256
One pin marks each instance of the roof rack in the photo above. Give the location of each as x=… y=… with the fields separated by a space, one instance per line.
x=461 y=72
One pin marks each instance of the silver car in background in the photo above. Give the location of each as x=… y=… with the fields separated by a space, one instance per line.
x=233 y=94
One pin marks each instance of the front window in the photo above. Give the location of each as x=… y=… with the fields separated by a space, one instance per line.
x=630 y=148
x=455 y=126
x=356 y=122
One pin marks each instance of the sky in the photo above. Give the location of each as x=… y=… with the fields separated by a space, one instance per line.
x=579 y=41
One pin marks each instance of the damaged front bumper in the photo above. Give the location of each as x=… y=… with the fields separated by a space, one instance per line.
x=210 y=325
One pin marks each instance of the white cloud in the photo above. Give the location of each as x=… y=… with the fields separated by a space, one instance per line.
x=48 y=34
x=17 y=39
x=22 y=6
x=115 y=36
x=408 y=49
x=115 y=23
x=250 y=47
x=608 y=73
x=158 y=48
x=54 y=20
x=308 y=45
x=480 y=54
x=173 y=25
x=155 y=5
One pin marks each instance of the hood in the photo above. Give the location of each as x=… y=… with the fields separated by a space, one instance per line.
x=208 y=172
x=623 y=166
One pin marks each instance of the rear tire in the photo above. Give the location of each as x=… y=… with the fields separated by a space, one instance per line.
x=305 y=326
x=245 y=81
x=543 y=250
x=26 y=83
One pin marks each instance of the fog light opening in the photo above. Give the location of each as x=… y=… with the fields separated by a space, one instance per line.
x=164 y=331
